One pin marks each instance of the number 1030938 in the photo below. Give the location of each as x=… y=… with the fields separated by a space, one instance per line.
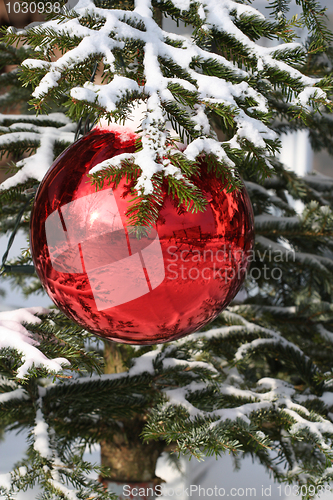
x=33 y=7
x=287 y=490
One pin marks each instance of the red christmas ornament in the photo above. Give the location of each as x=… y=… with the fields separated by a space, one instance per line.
x=155 y=289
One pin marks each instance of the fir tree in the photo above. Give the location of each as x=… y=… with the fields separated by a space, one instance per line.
x=258 y=379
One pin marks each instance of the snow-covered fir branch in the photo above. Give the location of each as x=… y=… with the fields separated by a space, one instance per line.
x=14 y=336
x=173 y=76
x=30 y=132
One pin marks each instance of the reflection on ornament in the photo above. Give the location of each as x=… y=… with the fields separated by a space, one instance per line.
x=170 y=282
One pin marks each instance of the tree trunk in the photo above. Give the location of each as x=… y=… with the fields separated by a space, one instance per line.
x=132 y=463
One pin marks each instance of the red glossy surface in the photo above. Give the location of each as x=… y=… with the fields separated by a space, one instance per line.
x=138 y=291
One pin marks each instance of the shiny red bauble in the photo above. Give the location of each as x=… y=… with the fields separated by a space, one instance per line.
x=138 y=290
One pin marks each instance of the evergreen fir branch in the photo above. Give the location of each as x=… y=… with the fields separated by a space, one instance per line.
x=64 y=81
x=182 y=190
x=81 y=108
x=180 y=120
x=145 y=213
x=321 y=184
x=9 y=78
x=58 y=138
x=188 y=168
x=233 y=49
x=17 y=147
x=286 y=179
x=278 y=8
x=111 y=4
x=255 y=27
x=187 y=16
x=59 y=339
x=45 y=51
x=182 y=95
x=286 y=28
x=193 y=437
x=285 y=76
x=213 y=67
x=294 y=56
x=203 y=38
x=62 y=477
x=11 y=37
x=222 y=170
x=139 y=213
x=17 y=338
x=56 y=120
x=129 y=395
x=268 y=224
x=261 y=196
x=225 y=115
x=280 y=77
x=254 y=161
x=8 y=101
x=315 y=19
x=113 y=174
x=316 y=221
x=302 y=364
x=11 y=55
x=171 y=69
x=321 y=265
x=14 y=193
x=16 y=413
x=258 y=336
x=135 y=23
x=187 y=194
x=317 y=142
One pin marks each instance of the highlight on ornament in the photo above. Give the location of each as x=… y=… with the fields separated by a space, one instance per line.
x=167 y=283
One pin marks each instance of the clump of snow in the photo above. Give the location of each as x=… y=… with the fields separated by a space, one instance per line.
x=326 y=334
x=41 y=438
x=309 y=93
x=5 y=481
x=207 y=145
x=124 y=134
x=144 y=363
x=112 y=162
x=16 y=394
x=36 y=63
x=106 y=95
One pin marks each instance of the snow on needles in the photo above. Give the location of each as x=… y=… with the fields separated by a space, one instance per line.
x=118 y=27
x=44 y=138
x=265 y=394
x=40 y=432
x=43 y=445
x=13 y=335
